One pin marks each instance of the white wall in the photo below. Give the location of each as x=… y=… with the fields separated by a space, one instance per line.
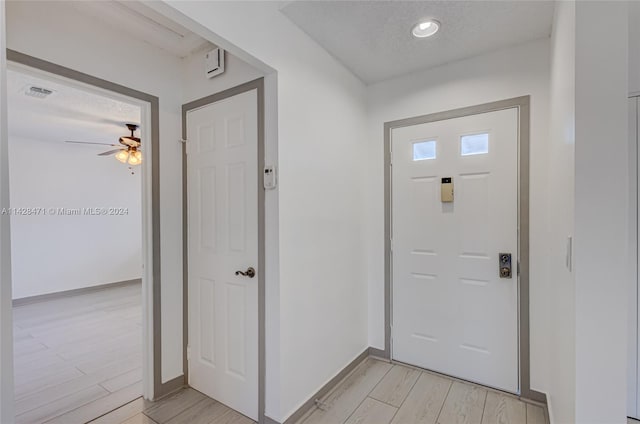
x=53 y=253
x=321 y=295
x=601 y=217
x=6 y=309
x=560 y=338
x=88 y=45
x=588 y=116
x=518 y=71
x=634 y=47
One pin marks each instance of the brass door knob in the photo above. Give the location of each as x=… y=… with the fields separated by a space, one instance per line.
x=250 y=272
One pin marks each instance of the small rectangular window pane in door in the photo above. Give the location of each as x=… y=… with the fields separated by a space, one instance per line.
x=423 y=150
x=476 y=144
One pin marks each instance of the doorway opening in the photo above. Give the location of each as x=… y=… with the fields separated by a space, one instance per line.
x=85 y=279
x=487 y=263
x=164 y=57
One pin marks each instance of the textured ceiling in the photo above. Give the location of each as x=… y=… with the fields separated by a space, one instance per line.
x=373 y=38
x=70 y=113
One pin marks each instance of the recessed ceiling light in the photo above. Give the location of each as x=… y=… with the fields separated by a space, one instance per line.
x=425 y=28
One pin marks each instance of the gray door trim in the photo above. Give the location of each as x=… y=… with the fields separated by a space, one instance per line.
x=523 y=106
x=159 y=389
x=258 y=85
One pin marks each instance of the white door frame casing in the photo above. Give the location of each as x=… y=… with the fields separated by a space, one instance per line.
x=153 y=387
x=259 y=86
x=523 y=106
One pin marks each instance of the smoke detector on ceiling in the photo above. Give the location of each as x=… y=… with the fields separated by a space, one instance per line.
x=38 y=92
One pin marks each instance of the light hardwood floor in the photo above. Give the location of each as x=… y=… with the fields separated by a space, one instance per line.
x=78 y=357
x=381 y=393
x=184 y=407
x=376 y=392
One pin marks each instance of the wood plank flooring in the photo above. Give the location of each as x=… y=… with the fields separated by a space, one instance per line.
x=376 y=392
x=381 y=393
x=184 y=407
x=78 y=357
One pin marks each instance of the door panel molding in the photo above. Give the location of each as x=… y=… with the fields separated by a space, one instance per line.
x=522 y=104
x=258 y=85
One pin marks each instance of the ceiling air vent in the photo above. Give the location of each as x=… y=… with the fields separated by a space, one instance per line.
x=38 y=92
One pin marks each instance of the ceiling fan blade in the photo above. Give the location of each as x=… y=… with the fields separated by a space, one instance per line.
x=90 y=142
x=110 y=152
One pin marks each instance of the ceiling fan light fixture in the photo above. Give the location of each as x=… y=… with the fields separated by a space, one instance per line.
x=135 y=158
x=127 y=152
x=122 y=156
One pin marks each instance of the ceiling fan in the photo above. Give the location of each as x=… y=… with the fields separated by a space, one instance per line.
x=128 y=149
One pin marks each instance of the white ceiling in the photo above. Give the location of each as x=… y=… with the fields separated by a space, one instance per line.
x=75 y=112
x=144 y=23
x=373 y=38
x=70 y=113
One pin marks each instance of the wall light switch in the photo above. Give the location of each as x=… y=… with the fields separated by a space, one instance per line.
x=446 y=190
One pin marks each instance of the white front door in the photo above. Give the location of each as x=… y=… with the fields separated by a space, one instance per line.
x=223 y=238
x=452 y=313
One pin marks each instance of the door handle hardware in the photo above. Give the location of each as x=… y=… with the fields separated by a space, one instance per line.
x=505 y=265
x=250 y=272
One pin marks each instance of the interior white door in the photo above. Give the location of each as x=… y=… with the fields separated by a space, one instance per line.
x=223 y=238
x=452 y=313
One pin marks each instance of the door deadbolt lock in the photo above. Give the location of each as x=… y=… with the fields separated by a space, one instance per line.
x=505 y=265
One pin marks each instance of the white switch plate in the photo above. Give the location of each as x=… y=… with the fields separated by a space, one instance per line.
x=270 y=179
x=569 y=258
